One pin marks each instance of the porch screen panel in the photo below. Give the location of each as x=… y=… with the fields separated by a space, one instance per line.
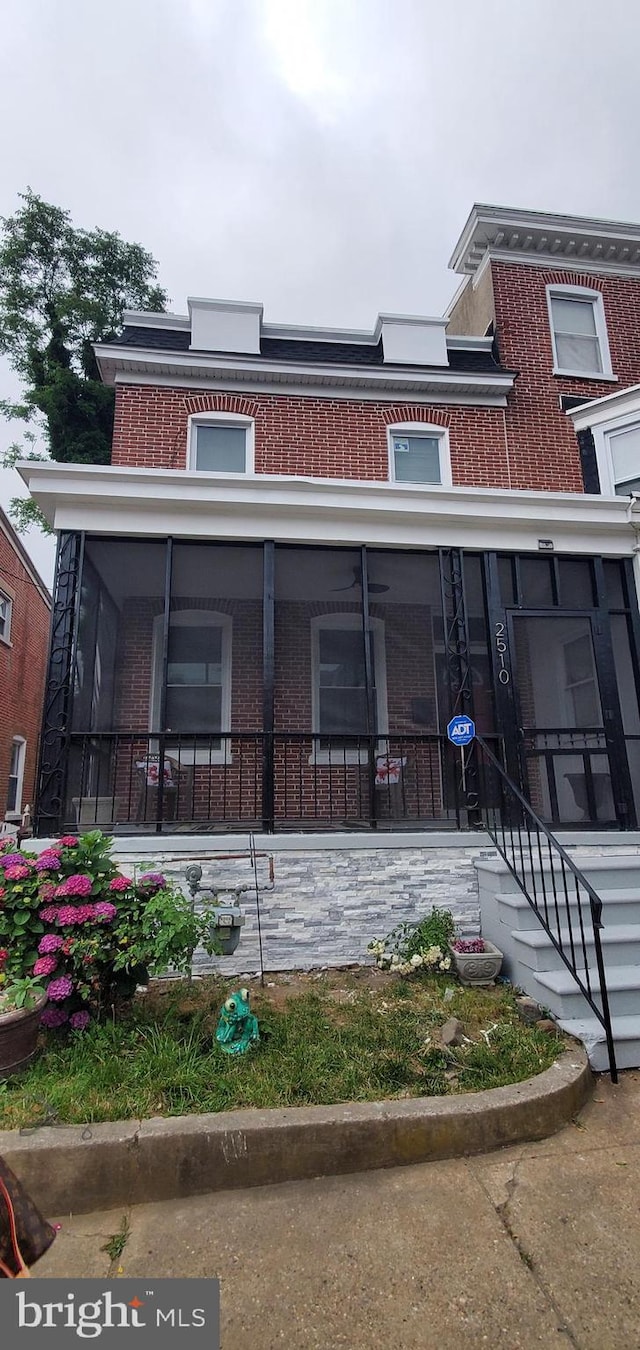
x=325 y=696
x=628 y=677
x=405 y=609
x=206 y=696
x=123 y=583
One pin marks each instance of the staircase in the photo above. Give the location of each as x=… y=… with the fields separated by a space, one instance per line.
x=534 y=964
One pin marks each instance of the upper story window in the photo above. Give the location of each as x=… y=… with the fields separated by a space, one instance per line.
x=6 y=606
x=578 y=332
x=221 y=443
x=419 y=454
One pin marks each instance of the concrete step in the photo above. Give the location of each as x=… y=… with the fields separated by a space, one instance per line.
x=620 y=946
x=618 y=906
x=558 y=991
x=626 y=1035
x=603 y=872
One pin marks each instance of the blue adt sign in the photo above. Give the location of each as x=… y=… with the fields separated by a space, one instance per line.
x=461 y=730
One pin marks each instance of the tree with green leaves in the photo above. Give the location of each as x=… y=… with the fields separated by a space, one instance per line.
x=61 y=290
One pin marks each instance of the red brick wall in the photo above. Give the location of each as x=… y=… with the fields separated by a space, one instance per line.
x=317 y=437
x=543 y=449
x=22 y=668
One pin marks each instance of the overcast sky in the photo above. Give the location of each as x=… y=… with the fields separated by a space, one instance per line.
x=318 y=155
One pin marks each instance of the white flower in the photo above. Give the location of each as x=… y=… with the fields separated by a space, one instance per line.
x=395 y=962
x=446 y=963
x=416 y=960
x=432 y=956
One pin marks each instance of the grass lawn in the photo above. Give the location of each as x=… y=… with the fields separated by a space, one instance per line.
x=347 y=1036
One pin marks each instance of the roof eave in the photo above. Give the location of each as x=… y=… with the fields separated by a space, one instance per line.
x=115 y=363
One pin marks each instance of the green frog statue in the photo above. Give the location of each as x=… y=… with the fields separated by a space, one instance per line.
x=237 y=1027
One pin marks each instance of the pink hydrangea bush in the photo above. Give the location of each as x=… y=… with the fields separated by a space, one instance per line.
x=68 y=917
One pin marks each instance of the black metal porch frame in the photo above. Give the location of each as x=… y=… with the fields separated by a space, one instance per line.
x=58 y=706
x=509 y=720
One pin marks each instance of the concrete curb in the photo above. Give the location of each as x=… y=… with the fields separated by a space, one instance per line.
x=81 y=1168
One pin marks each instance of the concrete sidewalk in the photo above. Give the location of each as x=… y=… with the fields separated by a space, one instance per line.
x=536 y=1245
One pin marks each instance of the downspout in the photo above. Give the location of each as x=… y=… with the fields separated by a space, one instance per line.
x=633 y=519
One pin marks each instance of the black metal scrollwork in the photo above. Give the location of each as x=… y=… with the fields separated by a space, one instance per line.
x=52 y=770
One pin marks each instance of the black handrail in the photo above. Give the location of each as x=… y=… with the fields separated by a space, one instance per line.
x=523 y=840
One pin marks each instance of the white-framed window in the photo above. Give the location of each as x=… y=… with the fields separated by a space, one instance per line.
x=16 y=775
x=578 y=332
x=198 y=687
x=339 y=688
x=419 y=453
x=221 y=443
x=6 y=606
x=623 y=452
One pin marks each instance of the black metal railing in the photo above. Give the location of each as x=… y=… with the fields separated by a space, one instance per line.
x=152 y=783
x=559 y=893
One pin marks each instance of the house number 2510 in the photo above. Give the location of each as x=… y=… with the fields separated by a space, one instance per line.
x=501 y=647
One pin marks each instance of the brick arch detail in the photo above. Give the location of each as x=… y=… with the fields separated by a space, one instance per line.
x=230 y=403
x=434 y=416
x=563 y=278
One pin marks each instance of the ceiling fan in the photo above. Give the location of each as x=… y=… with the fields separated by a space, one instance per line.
x=374 y=587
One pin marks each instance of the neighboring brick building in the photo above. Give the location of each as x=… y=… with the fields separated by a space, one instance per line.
x=25 y=608
x=312 y=547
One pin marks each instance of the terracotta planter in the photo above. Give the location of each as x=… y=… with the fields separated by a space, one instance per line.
x=19 y=1037
x=477 y=968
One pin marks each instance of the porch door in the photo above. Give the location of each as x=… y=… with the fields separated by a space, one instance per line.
x=570 y=739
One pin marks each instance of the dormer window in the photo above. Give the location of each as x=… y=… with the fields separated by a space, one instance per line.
x=221 y=443
x=578 y=332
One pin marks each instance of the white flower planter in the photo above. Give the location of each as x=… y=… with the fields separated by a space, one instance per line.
x=477 y=968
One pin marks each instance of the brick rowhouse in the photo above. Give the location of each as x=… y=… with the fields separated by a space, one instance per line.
x=22 y=660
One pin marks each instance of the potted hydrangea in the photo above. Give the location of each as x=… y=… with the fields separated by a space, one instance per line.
x=22 y=1001
x=476 y=960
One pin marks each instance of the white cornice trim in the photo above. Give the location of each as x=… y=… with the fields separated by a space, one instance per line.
x=447 y=397
x=551 y=239
x=307 y=333
x=226 y=306
x=139 y=361
x=469 y=344
x=606 y=409
x=135 y=318
x=157 y=502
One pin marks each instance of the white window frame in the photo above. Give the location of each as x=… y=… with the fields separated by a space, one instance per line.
x=441 y=434
x=351 y=622
x=207 y=419
x=22 y=753
x=602 y=435
x=6 y=636
x=604 y=446
x=564 y=292
x=190 y=752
